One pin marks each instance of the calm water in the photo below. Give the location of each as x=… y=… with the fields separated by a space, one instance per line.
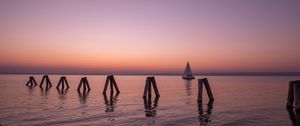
x=246 y=101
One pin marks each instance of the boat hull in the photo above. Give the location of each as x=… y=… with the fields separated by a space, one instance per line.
x=188 y=78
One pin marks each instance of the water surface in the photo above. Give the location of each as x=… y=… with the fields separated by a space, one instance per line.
x=239 y=100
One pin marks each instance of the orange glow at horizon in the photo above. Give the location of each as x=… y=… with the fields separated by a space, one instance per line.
x=149 y=36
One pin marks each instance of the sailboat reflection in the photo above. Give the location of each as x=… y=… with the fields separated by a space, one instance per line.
x=150 y=109
x=188 y=84
x=204 y=117
x=294 y=116
x=111 y=103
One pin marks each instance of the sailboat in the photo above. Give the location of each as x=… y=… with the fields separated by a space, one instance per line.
x=187 y=74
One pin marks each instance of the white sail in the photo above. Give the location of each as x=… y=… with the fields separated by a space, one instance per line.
x=188 y=74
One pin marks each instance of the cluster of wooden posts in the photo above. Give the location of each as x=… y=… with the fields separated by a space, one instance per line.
x=110 y=80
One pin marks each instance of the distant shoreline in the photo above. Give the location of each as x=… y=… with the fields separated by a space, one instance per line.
x=172 y=74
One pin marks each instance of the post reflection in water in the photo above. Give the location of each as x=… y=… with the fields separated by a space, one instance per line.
x=150 y=109
x=62 y=96
x=111 y=103
x=45 y=92
x=294 y=116
x=204 y=116
x=83 y=97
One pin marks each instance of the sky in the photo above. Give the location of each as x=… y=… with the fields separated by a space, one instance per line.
x=157 y=36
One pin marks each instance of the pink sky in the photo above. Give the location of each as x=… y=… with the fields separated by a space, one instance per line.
x=154 y=36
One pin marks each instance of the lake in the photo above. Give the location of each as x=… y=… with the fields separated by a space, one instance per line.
x=239 y=101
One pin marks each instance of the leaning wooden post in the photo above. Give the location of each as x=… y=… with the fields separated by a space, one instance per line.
x=155 y=87
x=208 y=90
x=146 y=87
x=87 y=84
x=200 y=90
x=115 y=83
x=48 y=83
x=297 y=95
x=106 y=84
x=79 y=85
x=148 y=84
x=290 y=98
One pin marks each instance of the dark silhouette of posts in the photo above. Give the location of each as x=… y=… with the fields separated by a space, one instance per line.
x=207 y=87
x=111 y=80
x=48 y=83
x=150 y=81
x=294 y=94
x=62 y=81
x=31 y=82
x=84 y=82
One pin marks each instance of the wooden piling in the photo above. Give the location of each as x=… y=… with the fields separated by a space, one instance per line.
x=297 y=95
x=294 y=95
x=200 y=90
x=147 y=90
x=290 y=98
x=48 y=83
x=31 y=82
x=208 y=90
x=62 y=81
x=207 y=87
x=84 y=82
x=112 y=82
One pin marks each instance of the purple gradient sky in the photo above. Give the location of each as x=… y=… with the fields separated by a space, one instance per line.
x=149 y=36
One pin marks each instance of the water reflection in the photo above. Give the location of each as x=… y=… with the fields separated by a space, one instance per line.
x=45 y=92
x=62 y=96
x=150 y=109
x=111 y=103
x=294 y=116
x=83 y=97
x=188 y=84
x=204 y=116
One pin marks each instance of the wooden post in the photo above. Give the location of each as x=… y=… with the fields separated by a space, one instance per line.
x=87 y=84
x=48 y=83
x=111 y=86
x=208 y=90
x=84 y=82
x=290 y=98
x=155 y=87
x=149 y=88
x=31 y=82
x=112 y=82
x=115 y=83
x=150 y=81
x=200 y=90
x=297 y=95
x=80 y=84
x=207 y=87
x=106 y=84
x=62 y=81
x=146 y=87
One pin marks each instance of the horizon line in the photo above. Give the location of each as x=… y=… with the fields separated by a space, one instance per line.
x=170 y=74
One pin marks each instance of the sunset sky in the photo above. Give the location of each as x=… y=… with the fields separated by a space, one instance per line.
x=139 y=36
